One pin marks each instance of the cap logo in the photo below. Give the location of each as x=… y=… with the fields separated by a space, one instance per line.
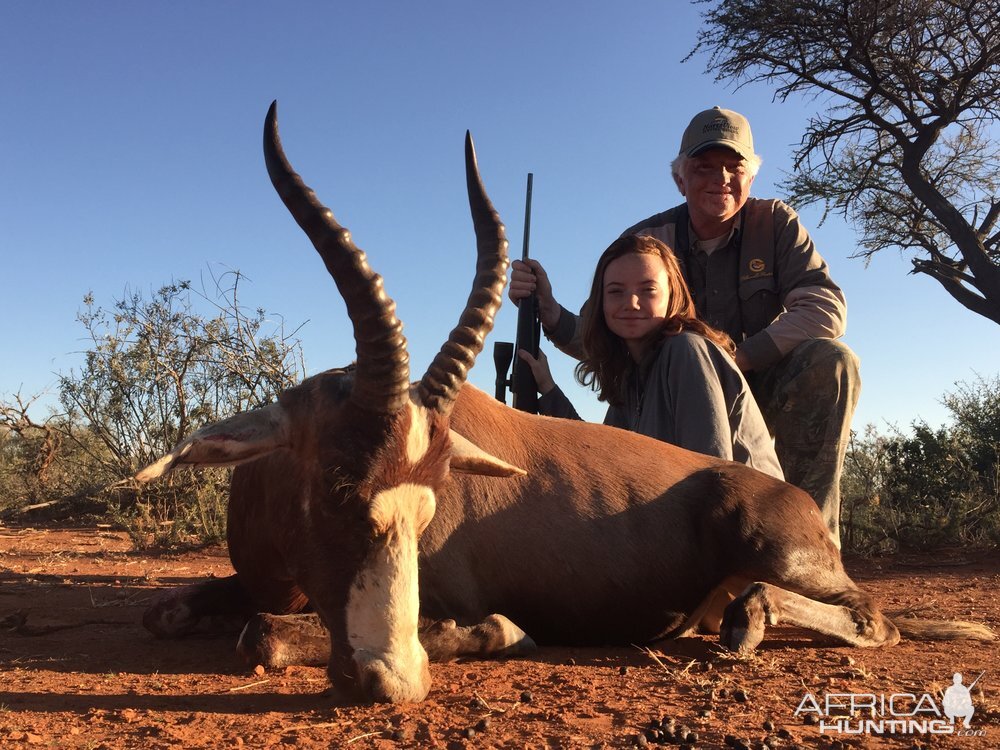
x=757 y=265
x=721 y=124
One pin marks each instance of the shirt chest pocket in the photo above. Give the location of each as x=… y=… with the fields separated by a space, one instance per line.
x=759 y=303
x=751 y=287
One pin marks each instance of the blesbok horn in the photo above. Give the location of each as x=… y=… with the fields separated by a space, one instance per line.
x=447 y=372
x=381 y=384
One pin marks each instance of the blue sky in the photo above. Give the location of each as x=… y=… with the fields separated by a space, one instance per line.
x=130 y=155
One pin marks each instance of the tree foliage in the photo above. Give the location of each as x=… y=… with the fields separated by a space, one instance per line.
x=905 y=149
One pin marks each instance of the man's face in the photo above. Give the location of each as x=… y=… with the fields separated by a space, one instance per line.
x=716 y=184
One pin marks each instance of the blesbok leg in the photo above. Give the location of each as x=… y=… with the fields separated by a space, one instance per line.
x=176 y=612
x=495 y=636
x=276 y=641
x=850 y=616
x=707 y=617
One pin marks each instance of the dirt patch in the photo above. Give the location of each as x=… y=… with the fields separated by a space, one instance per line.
x=78 y=671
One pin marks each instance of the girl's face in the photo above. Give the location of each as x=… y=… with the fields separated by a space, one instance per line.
x=636 y=293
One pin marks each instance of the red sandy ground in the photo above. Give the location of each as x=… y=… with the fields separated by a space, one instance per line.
x=78 y=671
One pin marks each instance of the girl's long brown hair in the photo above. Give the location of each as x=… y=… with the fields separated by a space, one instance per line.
x=606 y=359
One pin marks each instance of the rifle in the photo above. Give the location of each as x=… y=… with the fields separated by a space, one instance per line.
x=522 y=381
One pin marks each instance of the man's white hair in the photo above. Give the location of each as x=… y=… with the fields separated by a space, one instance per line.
x=677 y=165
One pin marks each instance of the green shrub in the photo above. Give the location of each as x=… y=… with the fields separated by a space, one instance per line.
x=156 y=370
x=931 y=489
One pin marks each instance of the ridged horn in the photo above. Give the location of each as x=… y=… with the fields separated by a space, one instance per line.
x=381 y=384
x=440 y=384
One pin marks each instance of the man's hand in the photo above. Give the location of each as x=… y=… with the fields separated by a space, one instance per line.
x=742 y=362
x=527 y=277
x=540 y=369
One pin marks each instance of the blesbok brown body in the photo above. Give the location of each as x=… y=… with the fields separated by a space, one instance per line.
x=569 y=532
x=611 y=537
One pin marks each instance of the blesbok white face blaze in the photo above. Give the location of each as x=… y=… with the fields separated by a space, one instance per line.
x=418 y=438
x=383 y=604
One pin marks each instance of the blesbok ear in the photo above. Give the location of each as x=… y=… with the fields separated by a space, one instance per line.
x=469 y=458
x=227 y=443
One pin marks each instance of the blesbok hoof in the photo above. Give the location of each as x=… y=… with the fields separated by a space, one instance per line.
x=170 y=616
x=506 y=637
x=276 y=641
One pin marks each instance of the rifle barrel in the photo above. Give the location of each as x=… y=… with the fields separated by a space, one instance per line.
x=527 y=218
x=523 y=386
x=523 y=389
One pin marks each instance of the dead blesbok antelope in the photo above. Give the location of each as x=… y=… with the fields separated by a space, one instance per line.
x=571 y=533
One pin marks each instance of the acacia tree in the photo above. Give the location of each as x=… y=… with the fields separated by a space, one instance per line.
x=905 y=149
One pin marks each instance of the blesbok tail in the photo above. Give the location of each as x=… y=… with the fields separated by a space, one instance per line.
x=922 y=629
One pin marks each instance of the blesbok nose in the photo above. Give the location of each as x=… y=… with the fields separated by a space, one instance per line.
x=393 y=680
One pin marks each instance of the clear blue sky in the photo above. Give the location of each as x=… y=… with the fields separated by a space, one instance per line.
x=130 y=155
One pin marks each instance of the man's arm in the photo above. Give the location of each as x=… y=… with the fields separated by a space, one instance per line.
x=814 y=306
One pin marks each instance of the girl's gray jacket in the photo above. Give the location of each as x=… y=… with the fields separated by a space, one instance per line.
x=694 y=396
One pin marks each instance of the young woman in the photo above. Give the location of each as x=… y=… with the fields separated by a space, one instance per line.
x=663 y=372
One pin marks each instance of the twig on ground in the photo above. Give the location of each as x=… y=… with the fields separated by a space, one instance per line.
x=248 y=686
x=36 y=506
x=656 y=658
x=482 y=700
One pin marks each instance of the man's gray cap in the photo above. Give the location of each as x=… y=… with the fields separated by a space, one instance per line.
x=717 y=127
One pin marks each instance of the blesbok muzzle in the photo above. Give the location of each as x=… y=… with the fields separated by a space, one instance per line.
x=388 y=680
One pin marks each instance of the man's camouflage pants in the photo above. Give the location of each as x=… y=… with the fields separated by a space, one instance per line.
x=808 y=399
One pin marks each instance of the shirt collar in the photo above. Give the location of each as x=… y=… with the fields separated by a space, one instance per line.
x=710 y=246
